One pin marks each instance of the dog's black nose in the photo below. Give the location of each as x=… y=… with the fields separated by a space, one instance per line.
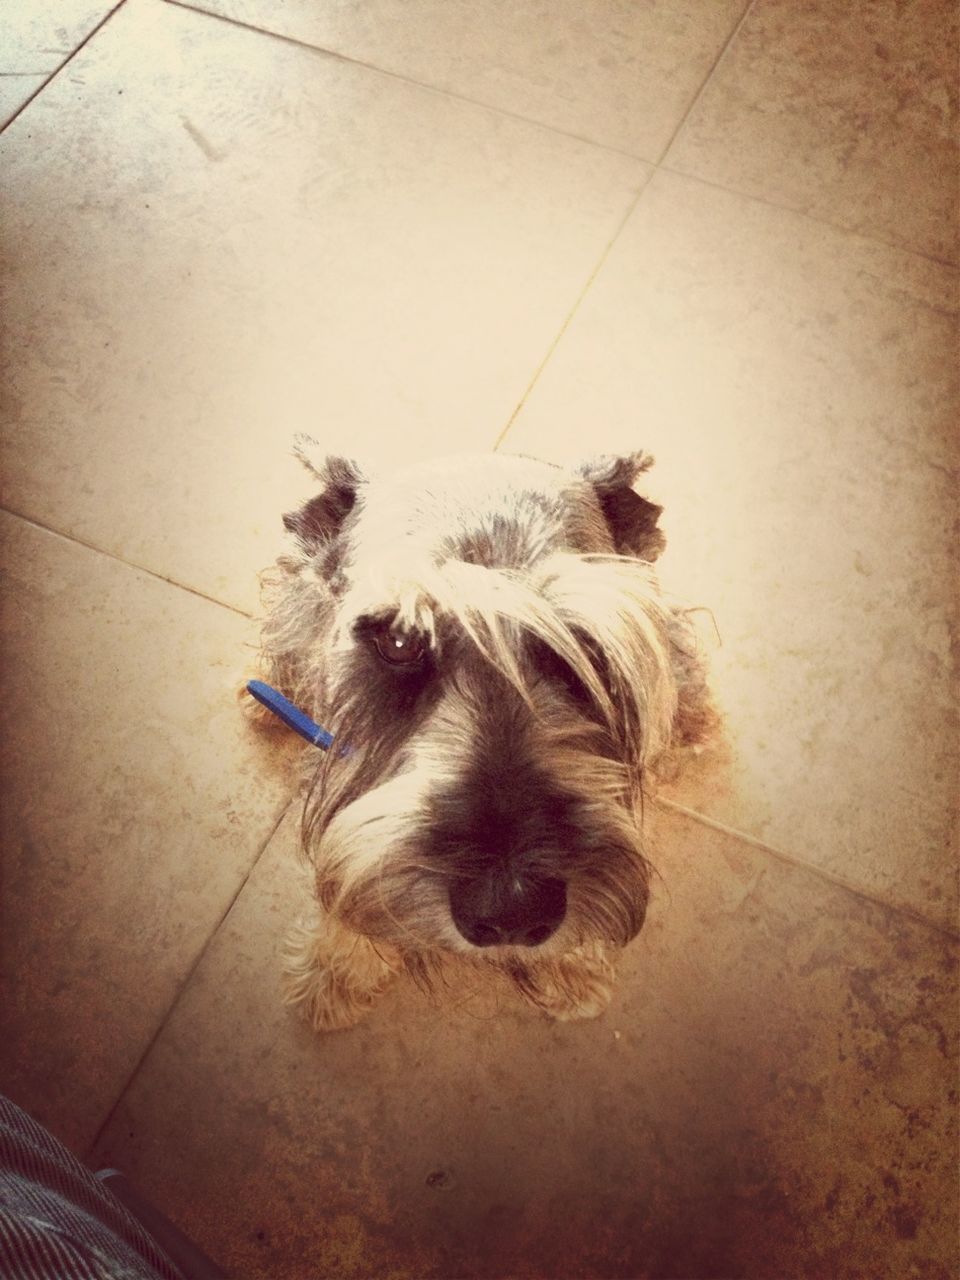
x=508 y=911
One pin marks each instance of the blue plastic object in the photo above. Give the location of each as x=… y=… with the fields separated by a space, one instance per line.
x=291 y=716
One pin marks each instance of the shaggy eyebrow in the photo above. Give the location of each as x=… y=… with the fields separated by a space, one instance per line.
x=578 y=604
x=373 y=620
x=386 y=619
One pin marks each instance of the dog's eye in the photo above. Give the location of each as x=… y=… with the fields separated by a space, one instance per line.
x=398 y=649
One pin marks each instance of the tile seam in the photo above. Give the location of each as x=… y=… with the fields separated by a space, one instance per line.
x=819 y=873
x=812 y=218
x=52 y=75
x=438 y=90
x=574 y=309
x=133 y=565
x=605 y=254
x=185 y=985
x=711 y=71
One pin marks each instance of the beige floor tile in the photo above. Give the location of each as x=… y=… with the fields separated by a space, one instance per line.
x=847 y=112
x=768 y=1096
x=36 y=37
x=613 y=72
x=135 y=802
x=197 y=270
x=796 y=386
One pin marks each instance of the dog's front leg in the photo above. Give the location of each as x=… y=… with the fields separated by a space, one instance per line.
x=576 y=985
x=331 y=974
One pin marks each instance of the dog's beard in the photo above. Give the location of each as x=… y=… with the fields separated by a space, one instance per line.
x=378 y=830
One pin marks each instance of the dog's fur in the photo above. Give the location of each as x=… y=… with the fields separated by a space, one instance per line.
x=487 y=640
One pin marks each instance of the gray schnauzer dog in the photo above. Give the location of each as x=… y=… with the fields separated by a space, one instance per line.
x=487 y=640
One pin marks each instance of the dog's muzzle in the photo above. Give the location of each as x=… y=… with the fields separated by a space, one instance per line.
x=508 y=910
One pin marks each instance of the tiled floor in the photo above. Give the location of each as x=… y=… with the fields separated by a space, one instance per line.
x=722 y=231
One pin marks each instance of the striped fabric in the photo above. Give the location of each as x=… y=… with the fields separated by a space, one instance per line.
x=57 y=1222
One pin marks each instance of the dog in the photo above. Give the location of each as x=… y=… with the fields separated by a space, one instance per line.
x=486 y=638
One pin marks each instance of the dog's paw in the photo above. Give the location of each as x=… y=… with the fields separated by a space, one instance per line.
x=325 y=1002
x=575 y=986
x=589 y=1001
x=331 y=986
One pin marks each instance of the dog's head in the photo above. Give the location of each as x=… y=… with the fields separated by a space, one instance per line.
x=485 y=637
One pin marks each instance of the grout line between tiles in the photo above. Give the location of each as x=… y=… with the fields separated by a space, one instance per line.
x=130 y=564
x=748 y=8
x=69 y=58
x=654 y=170
x=184 y=985
x=568 y=319
x=793 y=860
x=438 y=90
x=868 y=236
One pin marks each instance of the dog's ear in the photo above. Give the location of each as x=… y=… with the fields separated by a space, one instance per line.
x=632 y=519
x=317 y=523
